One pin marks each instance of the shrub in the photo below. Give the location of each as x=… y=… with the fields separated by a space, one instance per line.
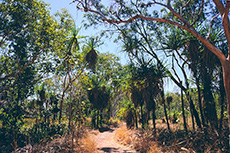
x=43 y=130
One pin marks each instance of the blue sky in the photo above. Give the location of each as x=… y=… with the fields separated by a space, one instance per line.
x=108 y=46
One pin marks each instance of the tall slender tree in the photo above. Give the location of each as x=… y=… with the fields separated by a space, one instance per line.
x=175 y=16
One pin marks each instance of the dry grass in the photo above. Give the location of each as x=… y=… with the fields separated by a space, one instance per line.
x=88 y=144
x=173 y=127
x=137 y=139
x=143 y=142
x=123 y=136
x=81 y=142
x=94 y=132
x=154 y=148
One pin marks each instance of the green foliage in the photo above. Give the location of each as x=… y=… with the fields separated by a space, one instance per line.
x=130 y=117
x=31 y=42
x=99 y=97
x=44 y=71
x=43 y=131
x=11 y=115
x=123 y=107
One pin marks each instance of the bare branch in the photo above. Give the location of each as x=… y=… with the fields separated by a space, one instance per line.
x=10 y=75
x=168 y=3
x=199 y=14
x=210 y=27
x=180 y=54
x=2 y=40
x=184 y=6
x=173 y=68
x=186 y=26
x=174 y=13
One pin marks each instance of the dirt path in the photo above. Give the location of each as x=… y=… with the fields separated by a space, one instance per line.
x=107 y=144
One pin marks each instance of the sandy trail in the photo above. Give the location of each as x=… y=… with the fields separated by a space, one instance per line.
x=107 y=144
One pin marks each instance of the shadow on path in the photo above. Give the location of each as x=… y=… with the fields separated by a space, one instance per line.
x=113 y=150
x=107 y=144
x=105 y=129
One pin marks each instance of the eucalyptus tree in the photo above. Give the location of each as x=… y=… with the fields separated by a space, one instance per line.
x=125 y=12
x=204 y=66
x=29 y=39
x=140 y=39
x=196 y=56
x=26 y=36
x=72 y=63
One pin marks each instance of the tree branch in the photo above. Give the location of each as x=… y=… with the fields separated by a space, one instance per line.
x=210 y=27
x=184 y=6
x=7 y=87
x=199 y=14
x=221 y=8
x=168 y=6
x=173 y=68
x=186 y=27
x=225 y=25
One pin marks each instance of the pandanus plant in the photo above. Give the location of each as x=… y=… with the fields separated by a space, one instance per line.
x=99 y=98
x=146 y=77
x=91 y=56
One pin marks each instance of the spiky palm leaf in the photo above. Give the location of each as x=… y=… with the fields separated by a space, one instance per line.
x=91 y=58
x=73 y=40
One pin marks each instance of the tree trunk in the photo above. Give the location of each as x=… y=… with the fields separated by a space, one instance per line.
x=154 y=115
x=221 y=99
x=165 y=110
x=93 y=121
x=101 y=118
x=166 y=116
x=200 y=104
x=70 y=113
x=154 y=119
x=61 y=107
x=142 y=117
x=226 y=77
x=97 y=118
x=192 y=117
x=136 y=122
x=183 y=112
x=209 y=103
x=40 y=112
x=193 y=109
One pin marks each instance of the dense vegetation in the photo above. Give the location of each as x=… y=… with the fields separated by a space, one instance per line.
x=54 y=81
